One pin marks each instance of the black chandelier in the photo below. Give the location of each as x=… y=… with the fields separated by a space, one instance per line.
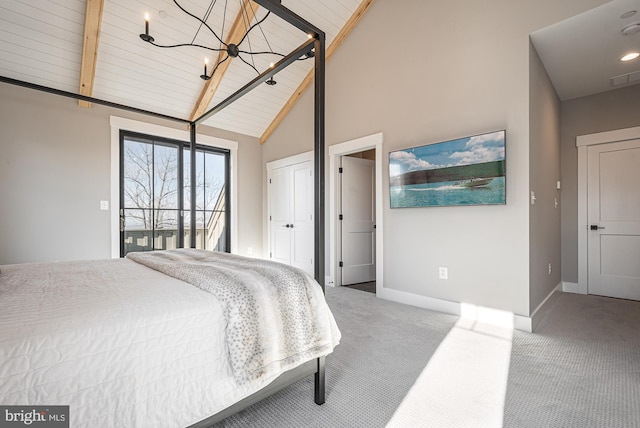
x=232 y=50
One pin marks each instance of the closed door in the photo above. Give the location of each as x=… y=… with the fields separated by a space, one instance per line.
x=614 y=219
x=279 y=215
x=358 y=220
x=291 y=215
x=301 y=228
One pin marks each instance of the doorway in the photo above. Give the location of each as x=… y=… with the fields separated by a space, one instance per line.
x=357 y=220
x=609 y=169
x=369 y=146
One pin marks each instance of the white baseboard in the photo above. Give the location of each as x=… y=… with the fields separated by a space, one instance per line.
x=545 y=306
x=432 y=303
x=520 y=322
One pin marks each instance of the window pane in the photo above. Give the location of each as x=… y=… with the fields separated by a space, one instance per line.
x=165 y=177
x=138 y=167
x=199 y=179
x=214 y=176
x=165 y=235
x=137 y=235
x=200 y=230
x=215 y=231
x=187 y=228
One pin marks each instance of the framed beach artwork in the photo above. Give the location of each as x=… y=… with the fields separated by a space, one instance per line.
x=466 y=171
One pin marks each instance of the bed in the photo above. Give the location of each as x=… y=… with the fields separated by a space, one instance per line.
x=162 y=339
x=126 y=345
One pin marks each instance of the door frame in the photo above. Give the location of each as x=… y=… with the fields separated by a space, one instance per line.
x=340 y=239
x=336 y=151
x=583 y=142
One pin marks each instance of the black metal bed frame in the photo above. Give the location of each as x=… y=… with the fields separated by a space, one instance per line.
x=318 y=42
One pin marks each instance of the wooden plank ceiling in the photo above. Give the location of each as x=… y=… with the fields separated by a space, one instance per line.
x=93 y=47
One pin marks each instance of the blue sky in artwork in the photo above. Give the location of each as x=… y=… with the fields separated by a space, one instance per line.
x=463 y=151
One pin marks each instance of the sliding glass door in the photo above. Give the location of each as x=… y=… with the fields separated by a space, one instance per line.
x=155 y=195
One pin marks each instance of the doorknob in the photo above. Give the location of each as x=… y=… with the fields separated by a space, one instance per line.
x=596 y=227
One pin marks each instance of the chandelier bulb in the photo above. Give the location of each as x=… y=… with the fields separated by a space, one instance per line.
x=145 y=36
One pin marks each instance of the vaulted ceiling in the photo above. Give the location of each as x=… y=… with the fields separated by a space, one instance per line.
x=93 y=48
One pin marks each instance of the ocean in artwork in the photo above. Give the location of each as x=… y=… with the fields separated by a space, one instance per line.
x=448 y=193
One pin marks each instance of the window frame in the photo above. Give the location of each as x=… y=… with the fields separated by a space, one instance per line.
x=159 y=132
x=181 y=147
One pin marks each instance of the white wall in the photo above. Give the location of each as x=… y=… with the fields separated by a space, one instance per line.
x=423 y=72
x=55 y=169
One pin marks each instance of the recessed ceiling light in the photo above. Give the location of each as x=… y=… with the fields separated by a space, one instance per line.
x=631 y=29
x=630 y=56
x=628 y=14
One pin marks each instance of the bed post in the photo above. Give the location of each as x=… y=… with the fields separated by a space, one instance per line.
x=318 y=391
x=192 y=185
x=319 y=161
x=319 y=158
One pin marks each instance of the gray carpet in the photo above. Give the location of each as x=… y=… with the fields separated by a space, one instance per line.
x=580 y=369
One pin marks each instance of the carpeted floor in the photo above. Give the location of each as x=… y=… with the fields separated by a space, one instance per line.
x=580 y=369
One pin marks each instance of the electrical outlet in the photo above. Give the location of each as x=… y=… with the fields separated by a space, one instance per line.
x=250 y=251
x=104 y=205
x=549 y=268
x=443 y=272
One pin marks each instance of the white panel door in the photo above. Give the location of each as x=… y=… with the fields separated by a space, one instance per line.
x=291 y=215
x=301 y=225
x=279 y=213
x=358 y=220
x=614 y=219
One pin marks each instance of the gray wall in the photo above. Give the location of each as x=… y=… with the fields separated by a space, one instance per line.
x=423 y=72
x=544 y=172
x=596 y=113
x=55 y=169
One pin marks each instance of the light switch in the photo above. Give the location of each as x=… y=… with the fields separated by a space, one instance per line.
x=104 y=205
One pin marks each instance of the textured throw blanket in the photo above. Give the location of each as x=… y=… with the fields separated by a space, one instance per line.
x=276 y=315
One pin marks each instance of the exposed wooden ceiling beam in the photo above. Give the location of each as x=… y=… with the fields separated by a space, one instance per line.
x=239 y=28
x=340 y=38
x=92 y=20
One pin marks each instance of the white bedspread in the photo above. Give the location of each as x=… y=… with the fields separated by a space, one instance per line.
x=275 y=318
x=122 y=344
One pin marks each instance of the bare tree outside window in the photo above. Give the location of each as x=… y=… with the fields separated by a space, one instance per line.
x=152 y=198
